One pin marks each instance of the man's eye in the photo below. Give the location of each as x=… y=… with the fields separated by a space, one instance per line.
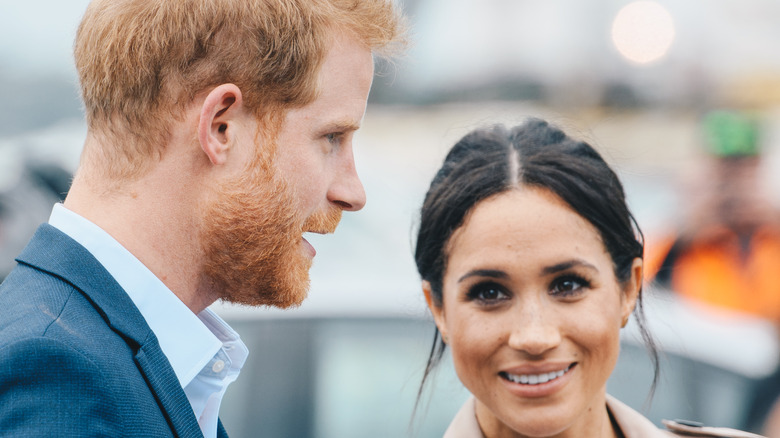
x=334 y=137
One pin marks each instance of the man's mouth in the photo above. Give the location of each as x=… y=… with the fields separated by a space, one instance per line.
x=536 y=379
x=308 y=247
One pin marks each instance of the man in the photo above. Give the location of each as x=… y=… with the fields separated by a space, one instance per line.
x=726 y=252
x=219 y=132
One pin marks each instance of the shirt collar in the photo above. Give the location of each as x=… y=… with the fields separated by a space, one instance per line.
x=189 y=341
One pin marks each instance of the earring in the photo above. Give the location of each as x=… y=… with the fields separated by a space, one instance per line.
x=625 y=321
x=445 y=339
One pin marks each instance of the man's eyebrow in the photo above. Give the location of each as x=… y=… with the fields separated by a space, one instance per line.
x=491 y=273
x=558 y=267
x=342 y=126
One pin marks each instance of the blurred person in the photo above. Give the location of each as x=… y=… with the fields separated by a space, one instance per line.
x=727 y=251
x=531 y=264
x=219 y=132
x=25 y=200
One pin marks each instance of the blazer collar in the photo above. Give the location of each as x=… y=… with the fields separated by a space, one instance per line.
x=52 y=251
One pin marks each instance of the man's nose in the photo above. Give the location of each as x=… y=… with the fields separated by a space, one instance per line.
x=347 y=191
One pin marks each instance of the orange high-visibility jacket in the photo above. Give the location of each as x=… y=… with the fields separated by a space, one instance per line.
x=717 y=268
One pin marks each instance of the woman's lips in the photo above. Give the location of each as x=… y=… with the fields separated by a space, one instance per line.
x=534 y=384
x=535 y=378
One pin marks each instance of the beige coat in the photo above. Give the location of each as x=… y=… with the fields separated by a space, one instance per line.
x=633 y=424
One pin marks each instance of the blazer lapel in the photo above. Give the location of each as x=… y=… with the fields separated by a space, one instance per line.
x=221 y=432
x=166 y=388
x=52 y=251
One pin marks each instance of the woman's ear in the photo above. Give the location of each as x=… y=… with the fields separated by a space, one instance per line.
x=436 y=310
x=632 y=289
x=217 y=121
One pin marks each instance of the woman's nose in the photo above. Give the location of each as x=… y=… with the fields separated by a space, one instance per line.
x=535 y=329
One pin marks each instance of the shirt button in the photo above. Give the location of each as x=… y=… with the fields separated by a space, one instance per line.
x=218 y=366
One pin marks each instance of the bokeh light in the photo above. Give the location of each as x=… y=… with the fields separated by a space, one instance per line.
x=643 y=31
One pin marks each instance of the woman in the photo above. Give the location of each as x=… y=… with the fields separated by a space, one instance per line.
x=531 y=264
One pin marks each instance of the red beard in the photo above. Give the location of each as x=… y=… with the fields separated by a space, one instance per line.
x=252 y=237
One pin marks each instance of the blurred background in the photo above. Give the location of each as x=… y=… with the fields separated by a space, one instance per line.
x=682 y=98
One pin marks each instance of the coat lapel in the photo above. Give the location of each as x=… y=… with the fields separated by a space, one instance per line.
x=54 y=252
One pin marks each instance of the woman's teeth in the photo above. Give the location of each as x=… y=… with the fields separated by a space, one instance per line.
x=535 y=379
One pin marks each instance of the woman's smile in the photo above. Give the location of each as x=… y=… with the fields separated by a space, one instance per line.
x=535 y=379
x=537 y=385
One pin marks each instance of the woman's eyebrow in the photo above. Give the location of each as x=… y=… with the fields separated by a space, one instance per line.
x=491 y=273
x=558 y=267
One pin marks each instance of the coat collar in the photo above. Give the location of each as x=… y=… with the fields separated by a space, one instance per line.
x=465 y=425
x=53 y=252
x=632 y=423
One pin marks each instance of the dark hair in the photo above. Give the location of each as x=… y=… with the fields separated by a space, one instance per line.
x=494 y=160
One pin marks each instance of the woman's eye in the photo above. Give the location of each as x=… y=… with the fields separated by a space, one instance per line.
x=487 y=293
x=568 y=286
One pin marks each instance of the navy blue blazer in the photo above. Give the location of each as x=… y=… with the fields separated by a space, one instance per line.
x=76 y=356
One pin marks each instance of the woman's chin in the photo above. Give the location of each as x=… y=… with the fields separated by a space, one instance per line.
x=541 y=421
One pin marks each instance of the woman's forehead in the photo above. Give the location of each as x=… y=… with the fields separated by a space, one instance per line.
x=526 y=222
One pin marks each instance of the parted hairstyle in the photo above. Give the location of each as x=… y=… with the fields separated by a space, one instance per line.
x=140 y=62
x=490 y=161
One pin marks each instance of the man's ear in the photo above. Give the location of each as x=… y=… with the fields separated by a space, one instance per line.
x=218 y=121
x=632 y=289
x=436 y=310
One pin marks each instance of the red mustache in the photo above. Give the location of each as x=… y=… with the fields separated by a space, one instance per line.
x=324 y=222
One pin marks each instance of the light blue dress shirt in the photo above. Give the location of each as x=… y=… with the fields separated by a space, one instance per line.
x=204 y=352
